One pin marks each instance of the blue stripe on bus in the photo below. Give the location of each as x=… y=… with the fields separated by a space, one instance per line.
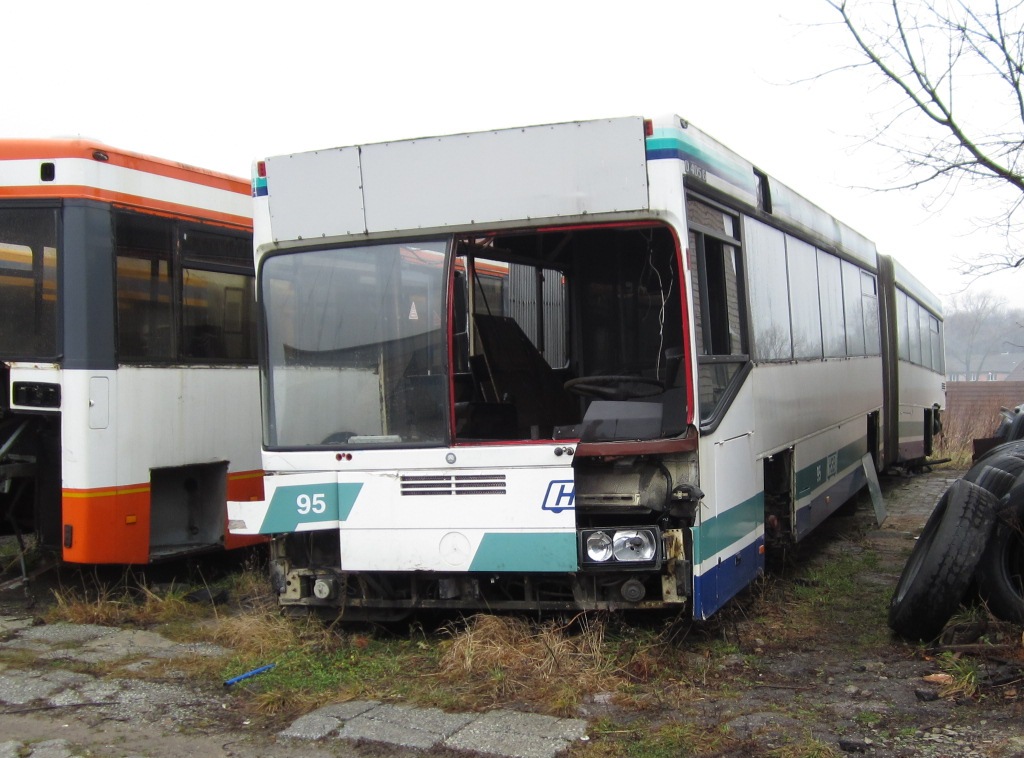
x=714 y=588
x=675 y=144
x=659 y=154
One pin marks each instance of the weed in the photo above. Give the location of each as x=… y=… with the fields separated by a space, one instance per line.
x=122 y=603
x=674 y=739
x=825 y=599
x=315 y=664
x=868 y=718
x=964 y=676
x=807 y=747
x=960 y=427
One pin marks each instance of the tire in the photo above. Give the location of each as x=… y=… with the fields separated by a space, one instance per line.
x=997 y=475
x=1016 y=429
x=1000 y=573
x=943 y=561
x=1013 y=447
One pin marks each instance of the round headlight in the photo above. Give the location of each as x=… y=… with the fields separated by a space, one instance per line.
x=633 y=545
x=599 y=547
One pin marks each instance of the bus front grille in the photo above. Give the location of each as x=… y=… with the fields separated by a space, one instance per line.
x=453 y=484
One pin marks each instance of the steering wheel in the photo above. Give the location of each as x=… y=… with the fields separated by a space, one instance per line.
x=615 y=387
x=338 y=438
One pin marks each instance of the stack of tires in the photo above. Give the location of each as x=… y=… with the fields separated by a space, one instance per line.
x=973 y=539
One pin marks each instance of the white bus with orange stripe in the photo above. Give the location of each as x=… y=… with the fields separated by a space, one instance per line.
x=130 y=406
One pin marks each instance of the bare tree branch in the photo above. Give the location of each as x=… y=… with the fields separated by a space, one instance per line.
x=944 y=59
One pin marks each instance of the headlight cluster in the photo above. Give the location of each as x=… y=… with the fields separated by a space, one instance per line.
x=634 y=546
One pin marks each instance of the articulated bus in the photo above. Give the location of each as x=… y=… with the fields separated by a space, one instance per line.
x=130 y=410
x=588 y=365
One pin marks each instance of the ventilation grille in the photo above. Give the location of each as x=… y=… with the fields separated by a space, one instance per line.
x=458 y=484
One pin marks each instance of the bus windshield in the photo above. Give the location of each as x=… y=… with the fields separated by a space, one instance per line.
x=525 y=335
x=28 y=283
x=356 y=350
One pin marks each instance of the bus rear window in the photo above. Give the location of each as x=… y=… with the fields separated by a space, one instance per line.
x=28 y=283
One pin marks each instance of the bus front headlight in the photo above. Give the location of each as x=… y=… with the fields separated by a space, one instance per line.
x=599 y=546
x=632 y=547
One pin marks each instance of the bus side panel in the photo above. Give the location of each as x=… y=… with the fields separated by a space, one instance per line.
x=827 y=471
x=107 y=495
x=106 y=526
x=728 y=540
x=911 y=434
x=101 y=522
x=178 y=415
x=89 y=430
x=794 y=401
x=920 y=390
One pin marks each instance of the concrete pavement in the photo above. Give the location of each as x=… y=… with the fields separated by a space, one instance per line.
x=43 y=668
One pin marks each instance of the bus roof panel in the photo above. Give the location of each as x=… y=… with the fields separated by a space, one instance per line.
x=552 y=171
x=315 y=194
x=707 y=161
x=794 y=208
x=536 y=172
x=910 y=284
x=90 y=170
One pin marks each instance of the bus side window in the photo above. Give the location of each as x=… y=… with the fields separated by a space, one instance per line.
x=218 y=319
x=145 y=308
x=717 y=301
x=723 y=334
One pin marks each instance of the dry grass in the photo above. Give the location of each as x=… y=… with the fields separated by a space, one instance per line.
x=960 y=427
x=123 y=604
x=497 y=659
x=265 y=633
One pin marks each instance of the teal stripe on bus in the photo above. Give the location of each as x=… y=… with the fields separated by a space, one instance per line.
x=719 y=532
x=526 y=551
x=675 y=143
x=816 y=474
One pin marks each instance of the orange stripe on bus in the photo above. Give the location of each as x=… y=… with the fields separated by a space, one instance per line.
x=257 y=474
x=243 y=478
x=105 y=491
x=112 y=524
x=49 y=150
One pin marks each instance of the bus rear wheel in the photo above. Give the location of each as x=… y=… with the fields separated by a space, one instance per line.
x=943 y=561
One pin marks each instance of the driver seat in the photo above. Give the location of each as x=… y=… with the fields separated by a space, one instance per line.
x=521 y=376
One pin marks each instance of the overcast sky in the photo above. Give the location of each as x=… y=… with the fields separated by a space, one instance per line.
x=220 y=83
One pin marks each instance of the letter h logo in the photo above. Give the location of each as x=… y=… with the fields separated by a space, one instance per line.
x=561 y=496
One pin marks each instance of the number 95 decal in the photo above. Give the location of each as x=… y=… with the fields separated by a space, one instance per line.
x=314 y=503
